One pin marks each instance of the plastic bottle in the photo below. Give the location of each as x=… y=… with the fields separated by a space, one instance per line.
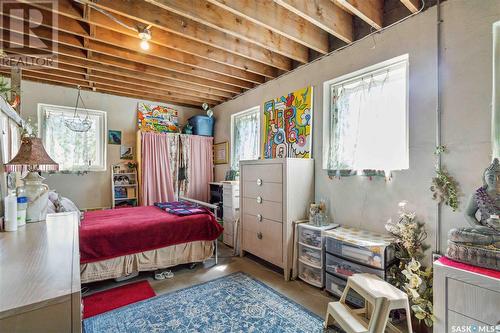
x=10 y=203
x=22 y=206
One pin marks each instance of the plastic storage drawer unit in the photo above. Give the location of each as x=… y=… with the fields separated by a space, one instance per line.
x=202 y=125
x=364 y=247
x=311 y=275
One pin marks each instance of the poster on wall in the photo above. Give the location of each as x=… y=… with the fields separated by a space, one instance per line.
x=157 y=118
x=287 y=125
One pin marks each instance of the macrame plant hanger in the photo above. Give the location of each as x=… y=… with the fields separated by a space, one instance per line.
x=76 y=123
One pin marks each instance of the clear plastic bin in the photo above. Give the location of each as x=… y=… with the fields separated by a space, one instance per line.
x=336 y=286
x=311 y=275
x=345 y=268
x=381 y=258
x=310 y=237
x=310 y=255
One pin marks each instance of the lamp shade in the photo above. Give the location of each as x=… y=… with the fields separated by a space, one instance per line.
x=32 y=155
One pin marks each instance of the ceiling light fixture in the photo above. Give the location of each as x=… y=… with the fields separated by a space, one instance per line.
x=145 y=37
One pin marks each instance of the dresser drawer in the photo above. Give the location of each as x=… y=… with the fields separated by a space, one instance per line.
x=267 y=191
x=264 y=239
x=474 y=302
x=267 y=209
x=231 y=200
x=265 y=172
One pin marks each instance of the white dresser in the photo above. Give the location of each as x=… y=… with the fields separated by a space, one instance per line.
x=231 y=205
x=273 y=194
x=40 y=277
x=465 y=301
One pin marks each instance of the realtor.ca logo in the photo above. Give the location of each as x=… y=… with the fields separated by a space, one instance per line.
x=28 y=33
x=475 y=329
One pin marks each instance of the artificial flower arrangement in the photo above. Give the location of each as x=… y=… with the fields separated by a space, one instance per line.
x=410 y=275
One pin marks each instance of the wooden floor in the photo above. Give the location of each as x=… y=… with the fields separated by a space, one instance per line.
x=310 y=297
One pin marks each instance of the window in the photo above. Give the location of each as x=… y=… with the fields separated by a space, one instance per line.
x=74 y=151
x=245 y=136
x=10 y=138
x=366 y=119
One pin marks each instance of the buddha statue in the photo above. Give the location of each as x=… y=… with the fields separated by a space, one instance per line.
x=479 y=244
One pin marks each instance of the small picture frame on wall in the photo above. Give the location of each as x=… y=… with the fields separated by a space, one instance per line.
x=221 y=153
x=114 y=137
x=126 y=153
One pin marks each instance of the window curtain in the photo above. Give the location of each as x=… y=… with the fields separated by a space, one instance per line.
x=246 y=138
x=368 y=126
x=159 y=167
x=200 y=166
x=73 y=151
x=184 y=164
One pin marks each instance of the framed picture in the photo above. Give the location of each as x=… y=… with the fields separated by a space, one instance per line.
x=126 y=153
x=114 y=137
x=221 y=153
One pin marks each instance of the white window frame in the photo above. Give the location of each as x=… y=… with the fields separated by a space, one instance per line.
x=239 y=114
x=42 y=108
x=379 y=67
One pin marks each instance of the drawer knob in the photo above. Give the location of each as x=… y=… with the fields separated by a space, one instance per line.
x=259 y=199
x=259 y=235
x=259 y=182
x=259 y=217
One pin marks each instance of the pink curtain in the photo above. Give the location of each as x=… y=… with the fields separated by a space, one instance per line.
x=200 y=167
x=157 y=179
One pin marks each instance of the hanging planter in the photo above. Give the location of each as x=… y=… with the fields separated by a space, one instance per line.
x=444 y=187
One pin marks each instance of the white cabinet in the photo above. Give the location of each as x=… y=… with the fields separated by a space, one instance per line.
x=273 y=194
x=231 y=205
x=465 y=300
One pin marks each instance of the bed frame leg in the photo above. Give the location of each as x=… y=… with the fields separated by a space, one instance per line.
x=216 y=252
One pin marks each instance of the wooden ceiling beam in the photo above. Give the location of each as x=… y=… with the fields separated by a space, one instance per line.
x=276 y=18
x=324 y=14
x=175 y=59
x=118 y=58
x=66 y=70
x=231 y=24
x=99 y=87
x=370 y=11
x=133 y=11
x=413 y=5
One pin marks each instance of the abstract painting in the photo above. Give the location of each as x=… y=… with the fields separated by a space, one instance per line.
x=287 y=125
x=157 y=118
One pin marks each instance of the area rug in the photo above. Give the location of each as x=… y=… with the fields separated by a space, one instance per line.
x=111 y=299
x=234 y=303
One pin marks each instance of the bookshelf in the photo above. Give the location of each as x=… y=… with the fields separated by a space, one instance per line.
x=123 y=186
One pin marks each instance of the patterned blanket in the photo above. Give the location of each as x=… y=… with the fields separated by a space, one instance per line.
x=182 y=208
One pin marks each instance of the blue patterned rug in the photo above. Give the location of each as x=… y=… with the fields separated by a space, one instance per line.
x=234 y=303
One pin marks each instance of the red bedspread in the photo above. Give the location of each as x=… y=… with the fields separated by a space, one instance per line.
x=113 y=233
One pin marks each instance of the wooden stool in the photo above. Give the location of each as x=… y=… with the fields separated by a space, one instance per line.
x=382 y=297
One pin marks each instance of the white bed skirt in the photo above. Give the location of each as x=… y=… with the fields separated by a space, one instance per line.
x=146 y=261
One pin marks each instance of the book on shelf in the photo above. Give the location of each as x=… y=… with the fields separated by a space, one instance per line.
x=130 y=192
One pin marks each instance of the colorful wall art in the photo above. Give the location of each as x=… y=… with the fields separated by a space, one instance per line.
x=157 y=118
x=287 y=125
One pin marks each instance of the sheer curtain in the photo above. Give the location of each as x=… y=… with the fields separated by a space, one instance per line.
x=200 y=167
x=368 y=122
x=159 y=156
x=246 y=137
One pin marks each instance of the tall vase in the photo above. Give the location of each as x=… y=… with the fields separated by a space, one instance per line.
x=38 y=196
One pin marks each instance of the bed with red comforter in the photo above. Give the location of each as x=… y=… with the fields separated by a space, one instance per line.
x=114 y=233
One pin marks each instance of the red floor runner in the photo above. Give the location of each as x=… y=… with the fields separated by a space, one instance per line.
x=111 y=299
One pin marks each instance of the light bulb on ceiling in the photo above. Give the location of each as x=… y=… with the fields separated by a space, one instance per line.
x=144 y=45
x=145 y=36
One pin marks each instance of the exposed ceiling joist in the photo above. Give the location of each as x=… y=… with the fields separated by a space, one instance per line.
x=279 y=20
x=324 y=14
x=370 y=11
x=231 y=24
x=412 y=5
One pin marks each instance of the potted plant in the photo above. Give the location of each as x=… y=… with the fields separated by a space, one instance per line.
x=410 y=275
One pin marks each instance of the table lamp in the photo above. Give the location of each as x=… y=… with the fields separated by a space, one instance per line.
x=33 y=157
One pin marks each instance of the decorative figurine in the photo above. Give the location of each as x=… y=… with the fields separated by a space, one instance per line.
x=480 y=244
